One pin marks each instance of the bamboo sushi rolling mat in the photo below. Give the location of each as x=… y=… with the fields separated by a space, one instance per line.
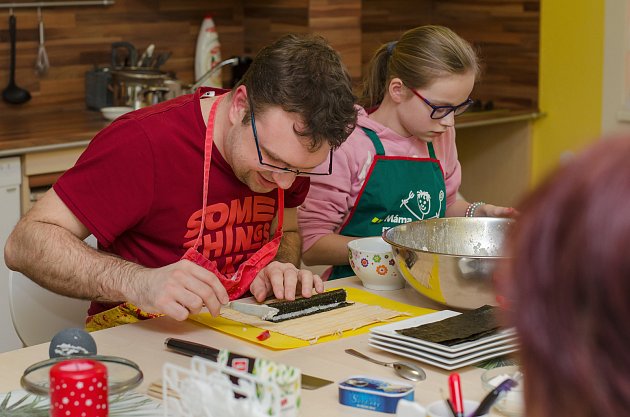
x=368 y=311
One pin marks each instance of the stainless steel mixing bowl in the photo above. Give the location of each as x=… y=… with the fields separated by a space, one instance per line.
x=450 y=260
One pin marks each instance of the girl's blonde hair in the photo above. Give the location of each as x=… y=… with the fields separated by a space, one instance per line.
x=418 y=58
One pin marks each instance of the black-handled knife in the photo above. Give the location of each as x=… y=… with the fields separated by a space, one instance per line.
x=192 y=349
x=242 y=362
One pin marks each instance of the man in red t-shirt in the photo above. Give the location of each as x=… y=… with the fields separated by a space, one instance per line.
x=140 y=185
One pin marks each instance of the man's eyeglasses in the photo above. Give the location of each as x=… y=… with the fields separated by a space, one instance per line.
x=276 y=168
x=440 y=112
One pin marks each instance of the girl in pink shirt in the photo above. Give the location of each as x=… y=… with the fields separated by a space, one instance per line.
x=400 y=163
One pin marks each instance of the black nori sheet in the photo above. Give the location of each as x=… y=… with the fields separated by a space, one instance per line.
x=328 y=297
x=465 y=327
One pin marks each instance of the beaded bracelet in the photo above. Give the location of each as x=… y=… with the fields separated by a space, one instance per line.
x=472 y=207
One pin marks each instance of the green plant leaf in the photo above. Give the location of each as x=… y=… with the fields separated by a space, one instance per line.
x=29 y=405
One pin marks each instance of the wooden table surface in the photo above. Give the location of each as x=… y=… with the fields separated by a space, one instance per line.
x=143 y=343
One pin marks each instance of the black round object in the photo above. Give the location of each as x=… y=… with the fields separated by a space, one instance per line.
x=72 y=342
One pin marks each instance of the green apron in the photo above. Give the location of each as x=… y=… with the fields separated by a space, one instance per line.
x=397 y=189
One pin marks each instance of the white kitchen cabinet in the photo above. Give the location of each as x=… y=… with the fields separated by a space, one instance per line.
x=10 y=180
x=41 y=170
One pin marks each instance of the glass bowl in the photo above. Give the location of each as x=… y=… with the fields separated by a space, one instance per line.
x=510 y=404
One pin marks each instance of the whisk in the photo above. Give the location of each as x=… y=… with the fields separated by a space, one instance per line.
x=41 y=64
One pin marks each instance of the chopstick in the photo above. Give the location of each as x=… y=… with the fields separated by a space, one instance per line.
x=155 y=390
x=448 y=403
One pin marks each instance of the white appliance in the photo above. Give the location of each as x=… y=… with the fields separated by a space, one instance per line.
x=10 y=180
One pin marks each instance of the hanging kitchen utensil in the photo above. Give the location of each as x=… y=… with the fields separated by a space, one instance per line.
x=41 y=64
x=14 y=94
x=161 y=59
x=146 y=57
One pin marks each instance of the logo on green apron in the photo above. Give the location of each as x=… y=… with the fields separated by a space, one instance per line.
x=423 y=202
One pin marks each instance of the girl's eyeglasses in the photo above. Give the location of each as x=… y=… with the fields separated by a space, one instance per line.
x=440 y=112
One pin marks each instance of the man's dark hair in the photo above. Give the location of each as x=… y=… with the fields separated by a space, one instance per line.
x=303 y=74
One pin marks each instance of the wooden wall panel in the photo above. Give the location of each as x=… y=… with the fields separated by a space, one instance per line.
x=383 y=22
x=506 y=33
x=336 y=20
x=78 y=38
x=339 y=21
x=264 y=21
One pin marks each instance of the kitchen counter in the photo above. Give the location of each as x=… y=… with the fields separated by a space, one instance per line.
x=493 y=117
x=24 y=130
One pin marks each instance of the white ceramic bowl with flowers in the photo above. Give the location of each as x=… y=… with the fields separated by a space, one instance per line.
x=372 y=260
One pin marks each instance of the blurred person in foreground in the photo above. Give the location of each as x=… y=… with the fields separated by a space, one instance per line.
x=568 y=285
x=193 y=201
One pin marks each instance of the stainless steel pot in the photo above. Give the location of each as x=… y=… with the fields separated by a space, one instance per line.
x=139 y=87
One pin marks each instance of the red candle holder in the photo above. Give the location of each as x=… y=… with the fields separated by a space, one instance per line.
x=78 y=388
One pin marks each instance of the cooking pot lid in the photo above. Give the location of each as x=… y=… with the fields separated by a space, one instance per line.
x=141 y=74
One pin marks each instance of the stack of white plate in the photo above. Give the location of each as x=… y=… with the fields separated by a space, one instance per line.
x=446 y=357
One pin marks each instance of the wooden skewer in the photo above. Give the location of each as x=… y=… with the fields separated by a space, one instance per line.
x=155 y=390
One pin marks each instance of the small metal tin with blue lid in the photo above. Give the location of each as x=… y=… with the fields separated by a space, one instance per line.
x=373 y=394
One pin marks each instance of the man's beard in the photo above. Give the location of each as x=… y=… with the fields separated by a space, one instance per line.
x=251 y=179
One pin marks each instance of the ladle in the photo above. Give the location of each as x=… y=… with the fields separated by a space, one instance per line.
x=14 y=94
x=406 y=370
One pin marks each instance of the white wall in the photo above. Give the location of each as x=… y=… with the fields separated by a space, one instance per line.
x=616 y=91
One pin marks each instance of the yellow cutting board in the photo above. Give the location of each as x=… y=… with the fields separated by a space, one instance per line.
x=280 y=341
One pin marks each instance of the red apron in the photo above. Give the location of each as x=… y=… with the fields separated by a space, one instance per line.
x=236 y=285
x=239 y=282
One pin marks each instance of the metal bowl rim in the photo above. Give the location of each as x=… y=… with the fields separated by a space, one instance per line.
x=399 y=246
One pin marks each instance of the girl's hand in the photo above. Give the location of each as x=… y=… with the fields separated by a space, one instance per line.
x=489 y=210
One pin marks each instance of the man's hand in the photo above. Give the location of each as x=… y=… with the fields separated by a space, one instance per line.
x=178 y=290
x=284 y=281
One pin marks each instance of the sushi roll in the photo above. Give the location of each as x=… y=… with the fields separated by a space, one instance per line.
x=301 y=307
